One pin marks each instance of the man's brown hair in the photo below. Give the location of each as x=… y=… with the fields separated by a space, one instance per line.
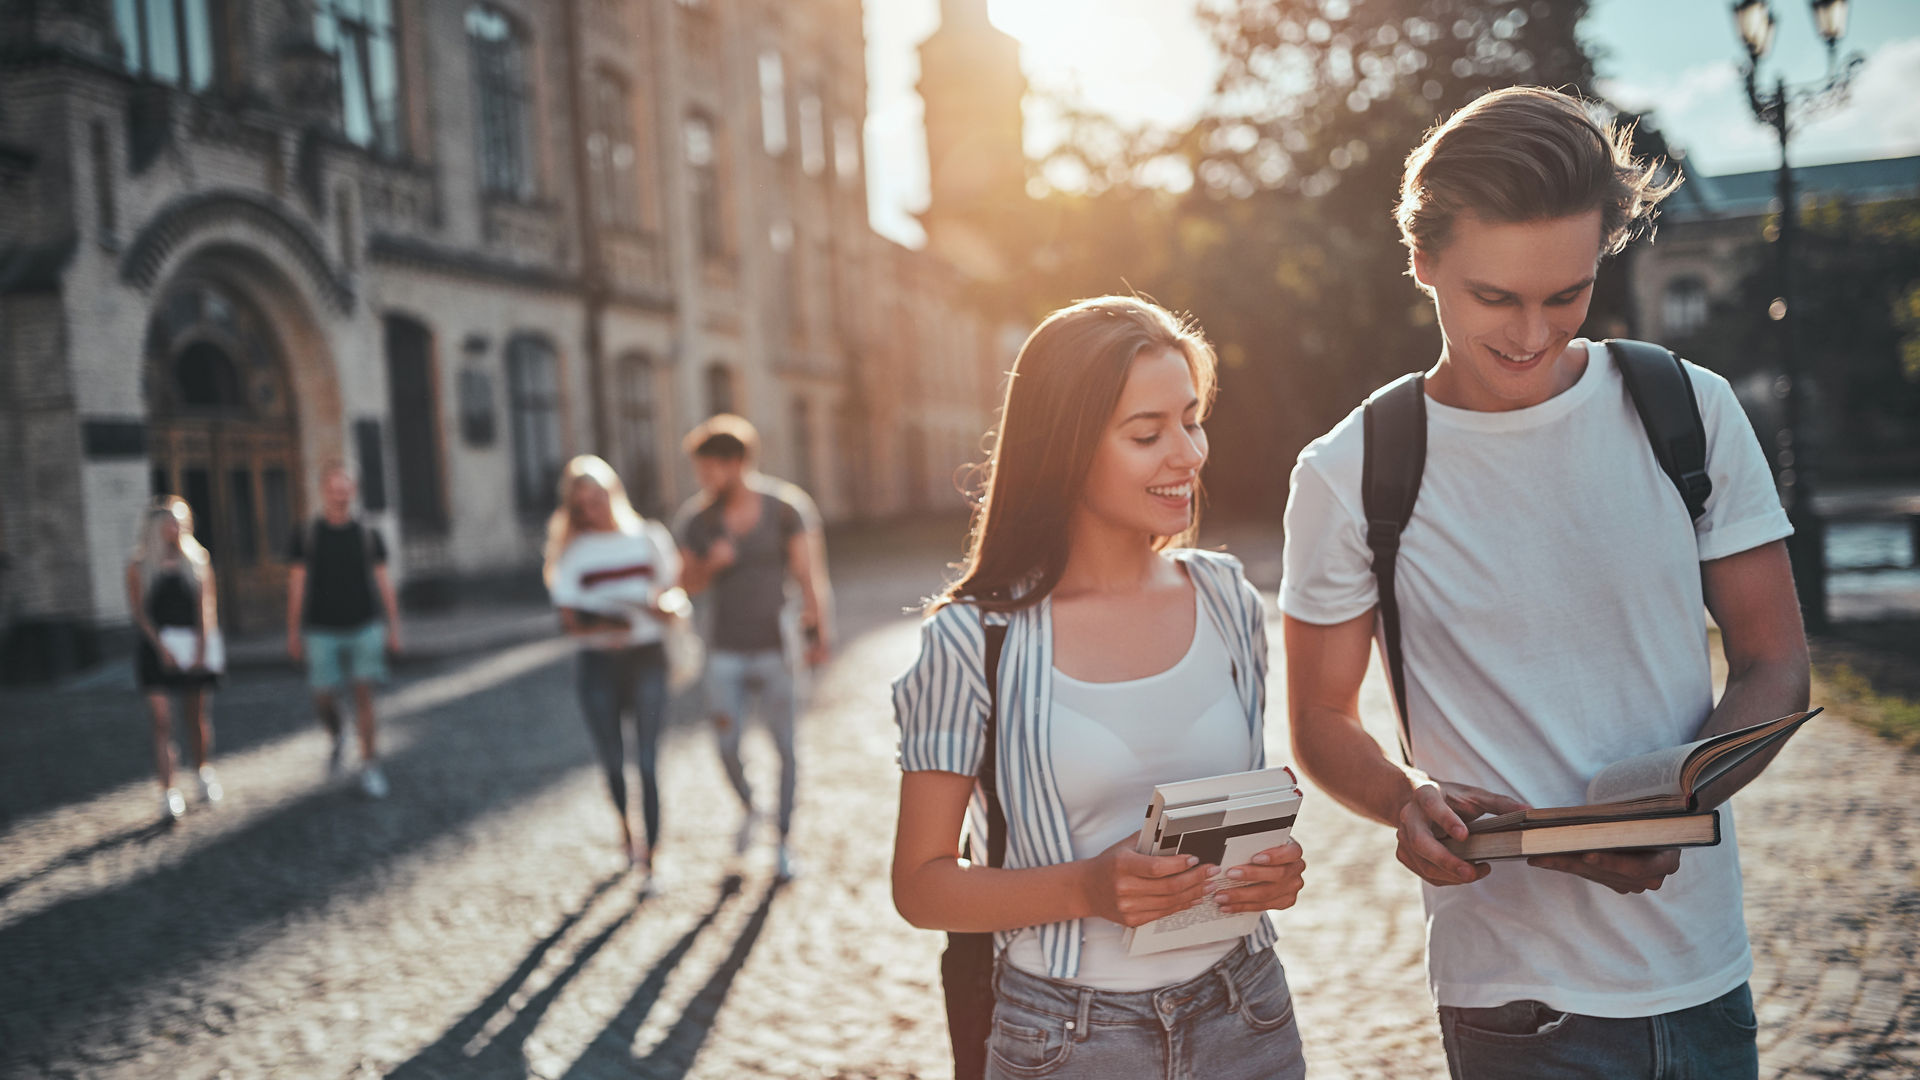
x=1526 y=153
x=725 y=436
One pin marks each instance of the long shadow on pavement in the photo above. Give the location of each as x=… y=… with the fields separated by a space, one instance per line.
x=611 y=1052
x=66 y=965
x=139 y=834
x=504 y=1055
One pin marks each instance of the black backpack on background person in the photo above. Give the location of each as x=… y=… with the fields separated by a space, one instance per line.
x=966 y=967
x=1394 y=426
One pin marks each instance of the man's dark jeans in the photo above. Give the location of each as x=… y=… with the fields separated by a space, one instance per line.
x=1527 y=1040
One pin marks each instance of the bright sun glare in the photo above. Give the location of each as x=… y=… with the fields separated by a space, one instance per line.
x=1139 y=60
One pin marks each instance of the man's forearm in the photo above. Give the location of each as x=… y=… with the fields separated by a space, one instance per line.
x=1338 y=755
x=1755 y=695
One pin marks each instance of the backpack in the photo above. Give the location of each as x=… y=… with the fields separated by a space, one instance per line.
x=1394 y=427
x=966 y=967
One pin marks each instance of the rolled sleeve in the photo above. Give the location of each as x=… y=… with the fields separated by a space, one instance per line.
x=1743 y=511
x=940 y=703
x=1328 y=569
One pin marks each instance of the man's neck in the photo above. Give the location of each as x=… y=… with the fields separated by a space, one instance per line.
x=337 y=516
x=738 y=495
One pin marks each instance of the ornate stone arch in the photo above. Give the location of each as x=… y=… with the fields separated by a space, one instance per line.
x=180 y=223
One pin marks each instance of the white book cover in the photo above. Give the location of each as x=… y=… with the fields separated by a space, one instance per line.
x=1225 y=831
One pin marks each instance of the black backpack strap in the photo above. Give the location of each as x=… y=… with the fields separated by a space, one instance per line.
x=1394 y=422
x=989 y=755
x=1663 y=395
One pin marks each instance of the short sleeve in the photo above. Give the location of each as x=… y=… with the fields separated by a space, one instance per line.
x=940 y=703
x=667 y=554
x=376 y=544
x=1327 y=574
x=1743 y=511
x=690 y=528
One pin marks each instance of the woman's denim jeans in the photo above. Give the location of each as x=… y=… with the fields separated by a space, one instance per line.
x=1233 y=1021
x=1528 y=1040
x=614 y=682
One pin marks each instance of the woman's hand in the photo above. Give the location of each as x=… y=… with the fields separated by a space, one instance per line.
x=1273 y=880
x=1123 y=886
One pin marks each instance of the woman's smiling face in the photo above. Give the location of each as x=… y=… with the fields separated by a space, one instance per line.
x=1146 y=469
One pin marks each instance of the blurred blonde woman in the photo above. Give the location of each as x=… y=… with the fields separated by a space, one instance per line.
x=614 y=577
x=171 y=592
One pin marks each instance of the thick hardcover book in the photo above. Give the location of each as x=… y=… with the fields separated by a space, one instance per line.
x=1679 y=780
x=1665 y=831
x=1223 y=820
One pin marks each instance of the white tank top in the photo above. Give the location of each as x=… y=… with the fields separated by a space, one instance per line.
x=1114 y=741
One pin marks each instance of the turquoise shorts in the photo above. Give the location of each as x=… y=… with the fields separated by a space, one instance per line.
x=337 y=657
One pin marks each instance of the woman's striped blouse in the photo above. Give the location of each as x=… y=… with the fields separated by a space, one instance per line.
x=941 y=704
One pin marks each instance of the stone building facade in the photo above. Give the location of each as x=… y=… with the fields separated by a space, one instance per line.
x=452 y=243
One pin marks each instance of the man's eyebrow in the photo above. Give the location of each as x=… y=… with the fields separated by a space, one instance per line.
x=1481 y=286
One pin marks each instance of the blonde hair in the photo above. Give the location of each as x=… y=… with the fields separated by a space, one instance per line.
x=1065 y=384
x=155 y=556
x=563 y=526
x=1526 y=153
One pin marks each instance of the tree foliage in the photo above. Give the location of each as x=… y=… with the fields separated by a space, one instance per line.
x=1270 y=217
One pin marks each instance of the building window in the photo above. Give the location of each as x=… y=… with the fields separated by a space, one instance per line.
x=813 y=136
x=703 y=158
x=720 y=396
x=500 y=89
x=416 y=425
x=846 y=151
x=640 y=427
x=612 y=163
x=169 y=41
x=533 y=401
x=803 y=443
x=359 y=33
x=1685 y=306
x=773 y=103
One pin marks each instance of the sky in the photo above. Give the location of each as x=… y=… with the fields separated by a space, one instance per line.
x=1147 y=61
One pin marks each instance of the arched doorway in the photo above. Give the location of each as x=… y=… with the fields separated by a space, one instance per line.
x=224 y=436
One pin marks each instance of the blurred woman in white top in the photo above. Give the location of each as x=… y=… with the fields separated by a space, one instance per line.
x=171 y=592
x=614 y=576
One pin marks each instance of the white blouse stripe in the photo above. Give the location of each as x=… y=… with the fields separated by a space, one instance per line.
x=941 y=705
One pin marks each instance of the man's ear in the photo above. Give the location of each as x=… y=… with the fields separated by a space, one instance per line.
x=1424 y=265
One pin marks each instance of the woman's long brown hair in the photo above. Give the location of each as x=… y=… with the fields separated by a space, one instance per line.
x=1061 y=394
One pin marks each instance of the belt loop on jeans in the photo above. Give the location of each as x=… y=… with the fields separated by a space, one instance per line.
x=1081 y=1028
x=1233 y=987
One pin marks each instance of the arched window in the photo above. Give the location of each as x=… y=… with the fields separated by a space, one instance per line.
x=720 y=396
x=703 y=160
x=612 y=164
x=499 y=57
x=640 y=431
x=359 y=33
x=533 y=397
x=416 y=425
x=169 y=41
x=1684 y=306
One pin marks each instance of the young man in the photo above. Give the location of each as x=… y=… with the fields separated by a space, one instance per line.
x=742 y=539
x=339 y=572
x=1551 y=587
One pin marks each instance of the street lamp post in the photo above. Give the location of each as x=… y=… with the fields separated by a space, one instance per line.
x=1782 y=108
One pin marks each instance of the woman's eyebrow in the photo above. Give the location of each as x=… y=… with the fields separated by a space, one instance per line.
x=1159 y=414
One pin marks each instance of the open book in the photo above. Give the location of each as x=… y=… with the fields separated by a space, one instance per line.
x=1223 y=820
x=1662 y=799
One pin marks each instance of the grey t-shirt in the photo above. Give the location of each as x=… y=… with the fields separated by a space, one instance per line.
x=748 y=596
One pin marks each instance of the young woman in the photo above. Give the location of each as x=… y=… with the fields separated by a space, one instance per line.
x=170 y=589
x=1128 y=661
x=615 y=578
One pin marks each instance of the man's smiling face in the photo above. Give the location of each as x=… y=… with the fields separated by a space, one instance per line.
x=1510 y=297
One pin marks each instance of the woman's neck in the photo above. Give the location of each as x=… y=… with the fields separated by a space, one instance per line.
x=1102 y=558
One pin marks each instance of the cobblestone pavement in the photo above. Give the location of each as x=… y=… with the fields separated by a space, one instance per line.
x=475 y=925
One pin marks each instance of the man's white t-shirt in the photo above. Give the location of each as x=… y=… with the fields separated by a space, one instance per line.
x=618 y=574
x=1552 y=623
